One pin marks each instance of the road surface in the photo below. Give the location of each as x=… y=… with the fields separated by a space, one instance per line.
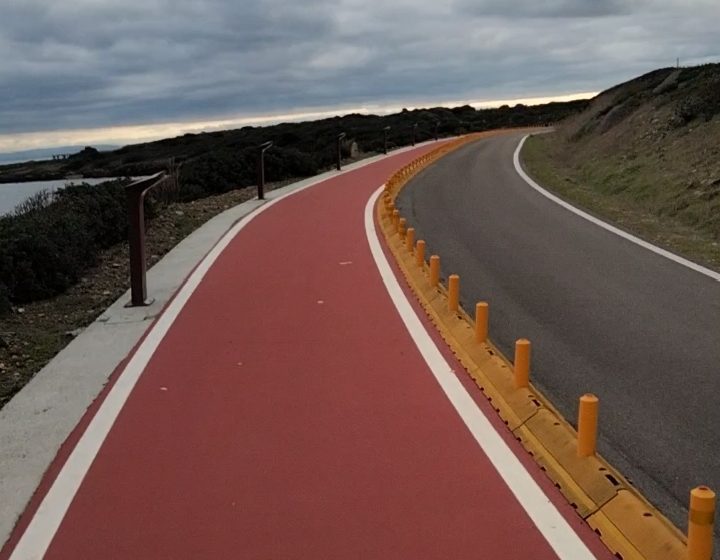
x=604 y=315
x=281 y=408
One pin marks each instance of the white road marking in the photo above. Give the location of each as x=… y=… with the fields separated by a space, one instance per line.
x=617 y=231
x=551 y=524
x=42 y=528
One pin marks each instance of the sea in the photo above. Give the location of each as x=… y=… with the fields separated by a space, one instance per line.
x=12 y=194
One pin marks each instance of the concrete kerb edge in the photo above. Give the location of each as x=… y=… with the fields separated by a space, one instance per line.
x=627 y=522
x=41 y=416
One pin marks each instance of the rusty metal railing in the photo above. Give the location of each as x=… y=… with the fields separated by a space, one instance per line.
x=261 y=169
x=135 y=198
x=340 y=138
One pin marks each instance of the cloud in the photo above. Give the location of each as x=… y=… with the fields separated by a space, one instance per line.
x=549 y=8
x=81 y=64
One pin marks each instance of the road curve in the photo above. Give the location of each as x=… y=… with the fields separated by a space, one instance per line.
x=284 y=405
x=604 y=314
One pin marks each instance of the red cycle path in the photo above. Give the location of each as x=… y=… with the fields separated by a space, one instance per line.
x=288 y=414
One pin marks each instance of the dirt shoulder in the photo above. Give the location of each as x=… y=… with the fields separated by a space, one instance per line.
x=635 y=191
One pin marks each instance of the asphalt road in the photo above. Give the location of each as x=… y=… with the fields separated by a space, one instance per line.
x=604 y=315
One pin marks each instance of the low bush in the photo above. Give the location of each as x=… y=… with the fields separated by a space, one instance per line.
x=46 y=247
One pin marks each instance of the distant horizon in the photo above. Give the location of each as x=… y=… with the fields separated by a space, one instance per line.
x=27 y=142
x=141 y=71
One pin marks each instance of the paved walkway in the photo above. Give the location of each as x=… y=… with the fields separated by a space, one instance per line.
x=289 y=403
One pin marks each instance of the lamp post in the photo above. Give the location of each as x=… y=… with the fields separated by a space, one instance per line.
x=385 y=138
x=414 y=131
x=135 y=197
x=261 y=169
x=339 y=149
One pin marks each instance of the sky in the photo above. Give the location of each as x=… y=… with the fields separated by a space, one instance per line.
x=114 y=72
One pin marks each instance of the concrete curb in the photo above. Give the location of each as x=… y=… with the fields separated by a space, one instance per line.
x=39 y=419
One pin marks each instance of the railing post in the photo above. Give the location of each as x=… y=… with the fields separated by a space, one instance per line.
x=261 y=170
x=385 y=139
x=135 y=197
x=339 y=150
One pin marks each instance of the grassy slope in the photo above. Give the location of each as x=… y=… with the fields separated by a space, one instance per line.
x=646 y=156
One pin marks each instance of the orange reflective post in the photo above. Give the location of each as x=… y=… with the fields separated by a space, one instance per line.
x=701 y=519
x=420 y=253
x=453 y=293
x=401 y=226
x=587 y=425
x=481 y=321
x=521 y=365
x=410 y=239
x=434 y=271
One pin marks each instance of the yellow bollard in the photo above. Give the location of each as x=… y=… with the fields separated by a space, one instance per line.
x=587 y=425
x=410 y=239
x=420 y=253
x=434 y=271
x=395 y=218
x=401 y=226
x=453 y=293
x=481 y=321
x=521 y=365
x=701 y=518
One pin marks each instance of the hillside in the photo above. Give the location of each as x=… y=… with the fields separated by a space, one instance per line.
x=646 y=155
x=218 y=161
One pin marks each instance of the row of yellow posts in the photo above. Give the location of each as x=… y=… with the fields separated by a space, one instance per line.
x=702 y=499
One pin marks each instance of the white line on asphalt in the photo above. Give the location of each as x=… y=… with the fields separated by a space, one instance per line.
x=42 y=528
x=617 y=231
x=553 y=526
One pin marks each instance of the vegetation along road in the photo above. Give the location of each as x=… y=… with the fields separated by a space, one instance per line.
x=604 y=314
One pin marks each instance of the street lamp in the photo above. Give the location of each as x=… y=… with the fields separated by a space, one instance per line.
x=385 y=137
x=339 y=149
x=414 y=130
x=261 y=169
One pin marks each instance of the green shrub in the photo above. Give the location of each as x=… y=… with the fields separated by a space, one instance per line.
x=46 y=249
x=4 y=300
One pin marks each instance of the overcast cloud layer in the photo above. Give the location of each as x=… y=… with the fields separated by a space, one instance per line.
x=72 y=64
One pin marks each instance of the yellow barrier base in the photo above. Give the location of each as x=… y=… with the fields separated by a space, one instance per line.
x=626 y=522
